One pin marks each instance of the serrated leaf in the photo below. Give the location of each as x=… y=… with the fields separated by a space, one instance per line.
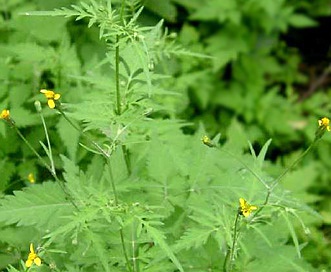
x=159 y=240
x=69 y=136
x=41 y=205
x=194 y=238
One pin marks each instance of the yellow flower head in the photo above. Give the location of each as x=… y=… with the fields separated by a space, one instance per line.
x=51 y=97
x=5 y=114
x=245 y=208
x=31 y=178
x=206 y=140
x=32 y=258
x=323 y=126
x=324 y=123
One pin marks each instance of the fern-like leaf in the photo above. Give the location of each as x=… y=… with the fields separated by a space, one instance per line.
x=40 y=205
x=159 y=239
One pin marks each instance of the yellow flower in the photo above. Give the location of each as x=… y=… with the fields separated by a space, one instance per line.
x=51 y=96
x=323 y=126
x=31 y=178
x=245 y=208
x=205 y=139
x=5 y=114
x=32 y=258
x=324 y=123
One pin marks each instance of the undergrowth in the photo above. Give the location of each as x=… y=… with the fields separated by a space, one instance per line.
x=111 y=182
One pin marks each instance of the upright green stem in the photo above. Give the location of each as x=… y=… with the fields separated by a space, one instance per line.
x=122 y=10
x=48 y=142
x=117 y=76
x=135 y=249
x=233 y=247
x=112 y=181
x=118 y=96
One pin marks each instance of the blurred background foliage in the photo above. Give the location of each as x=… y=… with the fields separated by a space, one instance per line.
x=268 y=76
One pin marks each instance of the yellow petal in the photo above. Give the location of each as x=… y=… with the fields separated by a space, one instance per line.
x=5 y=114
x=28 y=263
x=242 y=202
x=253 y=208
x=57 y=96
x=51 y=103
x=31 y=248
x=37 y=261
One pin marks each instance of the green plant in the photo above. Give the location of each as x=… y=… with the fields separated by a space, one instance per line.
x=126 y=189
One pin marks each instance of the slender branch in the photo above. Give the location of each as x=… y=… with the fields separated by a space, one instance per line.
x=112 y=181
x=127 y=159
x=278 y=179
x=246 y=166
x=230 y=258
x=48 y=142
x=135 y=249
x=35 y=152
x=117 y=76
x=60 y=182
x=98 y=147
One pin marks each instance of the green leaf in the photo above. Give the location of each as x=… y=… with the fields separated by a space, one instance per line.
x=301 y=21
x=293 y=233
x=237 y=138
x=159 y=240
x=69 y=136
x=263 y=152
x=166 y=9
x=41 y=205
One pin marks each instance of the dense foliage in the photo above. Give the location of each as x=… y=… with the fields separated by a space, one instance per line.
x=109 y=167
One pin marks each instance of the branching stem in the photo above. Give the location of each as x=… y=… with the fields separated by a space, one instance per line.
x=97 y=146
x=53 y=173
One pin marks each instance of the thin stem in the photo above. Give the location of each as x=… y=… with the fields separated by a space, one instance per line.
x=98 y=147
x=112 y=181
x=278 y=179
x=124 y=251
x=234 y=243
x=35 y=152
x=117 y=76
x=60 y=182
x=118 y=95
x=135 y=249
x=246 y=166
x=127 y=159
x=48 y=142
x=122 y=10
